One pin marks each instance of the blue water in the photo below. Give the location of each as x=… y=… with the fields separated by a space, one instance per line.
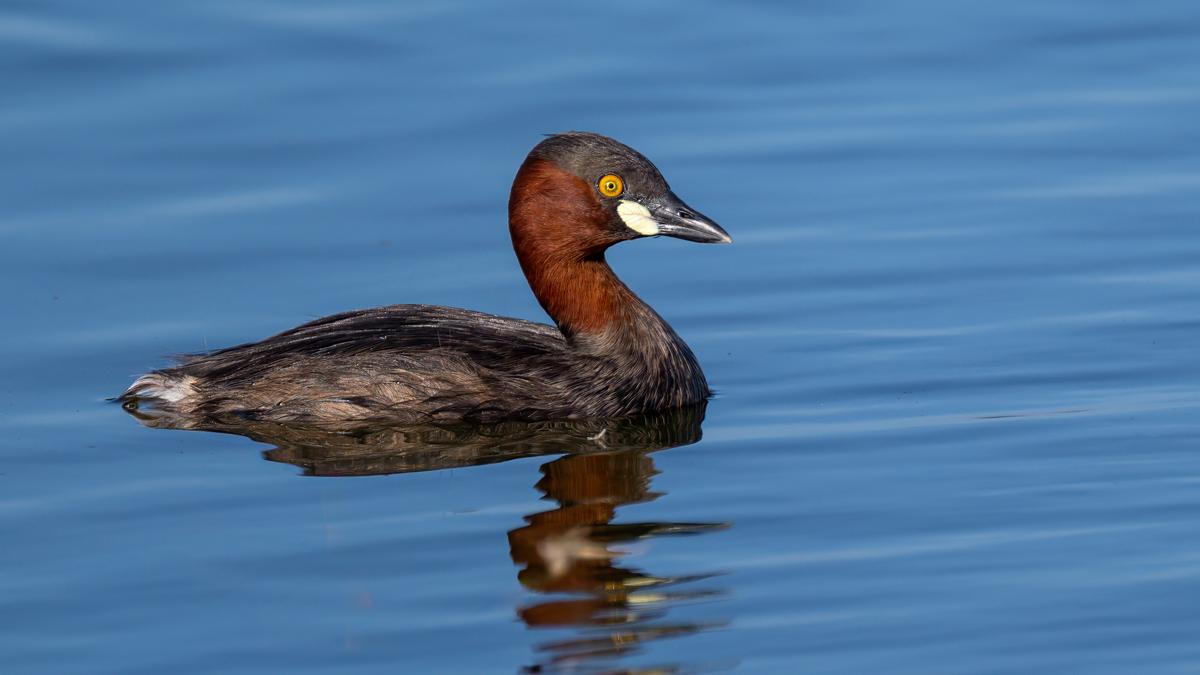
x=955 y=340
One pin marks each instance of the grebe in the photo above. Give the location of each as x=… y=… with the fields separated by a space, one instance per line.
x=611 y=355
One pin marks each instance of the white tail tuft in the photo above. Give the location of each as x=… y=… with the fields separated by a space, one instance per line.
x=160 y=386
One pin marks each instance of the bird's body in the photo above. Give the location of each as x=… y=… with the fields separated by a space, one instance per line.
x=417 y=363
x=610 y=355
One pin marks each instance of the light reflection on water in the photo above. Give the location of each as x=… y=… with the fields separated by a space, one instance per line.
x=954 y=342
x=571 y=554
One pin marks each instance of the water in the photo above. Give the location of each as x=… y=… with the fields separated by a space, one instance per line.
x=954 y=341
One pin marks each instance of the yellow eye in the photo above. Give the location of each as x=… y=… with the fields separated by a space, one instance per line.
x=611 y=186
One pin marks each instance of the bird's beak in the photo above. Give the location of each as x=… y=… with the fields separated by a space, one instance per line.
x=676 y=219
x=669 y=216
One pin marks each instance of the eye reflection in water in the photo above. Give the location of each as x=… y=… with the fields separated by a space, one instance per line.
x=571 y=554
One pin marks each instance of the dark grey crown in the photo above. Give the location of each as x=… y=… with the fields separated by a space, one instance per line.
x=591 y=156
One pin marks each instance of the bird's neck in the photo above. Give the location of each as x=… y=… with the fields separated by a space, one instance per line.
x=559 y=232
x=584 y=296
x=599 y=316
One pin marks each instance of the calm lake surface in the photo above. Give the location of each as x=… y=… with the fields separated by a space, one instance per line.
x=955 y=340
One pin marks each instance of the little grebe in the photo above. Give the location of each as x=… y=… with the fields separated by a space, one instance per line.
x=575 y=195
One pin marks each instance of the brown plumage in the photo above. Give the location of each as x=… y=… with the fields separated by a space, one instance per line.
x=610 y=356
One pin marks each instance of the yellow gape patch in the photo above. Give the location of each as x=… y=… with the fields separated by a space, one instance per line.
x=637 y=218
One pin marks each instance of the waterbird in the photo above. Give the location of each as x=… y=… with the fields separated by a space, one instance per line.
x=608 y=354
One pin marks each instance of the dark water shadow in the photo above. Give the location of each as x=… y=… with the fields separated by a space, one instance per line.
x=570 y=555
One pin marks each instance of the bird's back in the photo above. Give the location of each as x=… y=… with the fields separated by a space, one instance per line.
x=400 y=362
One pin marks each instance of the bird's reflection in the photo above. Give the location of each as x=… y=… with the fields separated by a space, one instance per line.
x=570 y=555
x=574 y=550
